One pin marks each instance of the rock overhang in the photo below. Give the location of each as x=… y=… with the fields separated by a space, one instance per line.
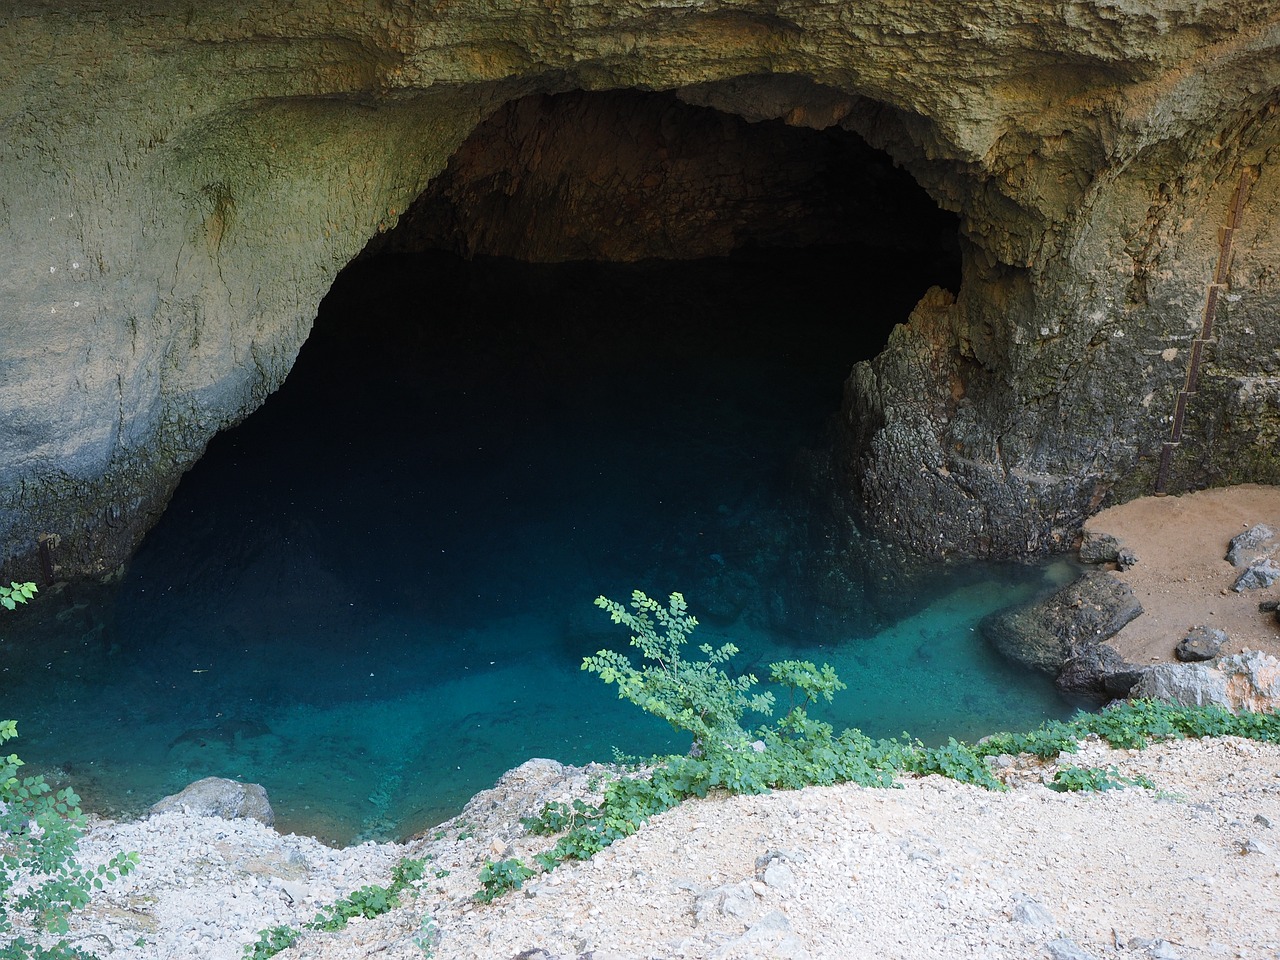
x=186 y=182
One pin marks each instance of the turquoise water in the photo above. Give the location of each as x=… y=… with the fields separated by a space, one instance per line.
x=374 y=595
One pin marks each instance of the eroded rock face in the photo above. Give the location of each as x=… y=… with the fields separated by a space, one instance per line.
x=182 y=183
x=625 y=175
x=1246 y=681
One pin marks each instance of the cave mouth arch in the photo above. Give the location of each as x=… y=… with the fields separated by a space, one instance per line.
x=395 y=556
x=626 y=175
x=812 y=244
x=685 y=234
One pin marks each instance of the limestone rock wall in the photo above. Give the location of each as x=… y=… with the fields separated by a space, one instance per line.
x=181 y=183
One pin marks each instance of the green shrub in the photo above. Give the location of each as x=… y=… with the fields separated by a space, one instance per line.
x=501 y=877
x=1095 y=780
x=271 y=941
x=696 y=696
x=371 y=900
x=16 y=593
x=701 y=698
x=954 y=760
x=41 y=882
x=557 y=817
x=1132 y=724
x=368 y=902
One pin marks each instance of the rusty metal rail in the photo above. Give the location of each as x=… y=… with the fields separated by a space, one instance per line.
x=1217 y=287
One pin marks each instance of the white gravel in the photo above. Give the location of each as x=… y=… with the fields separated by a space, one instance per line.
x=936 y=869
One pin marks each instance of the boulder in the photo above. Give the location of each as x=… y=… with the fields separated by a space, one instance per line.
x=1097 y=673
x=219 y=797
x=1046 y=634
x=1200 y=643
x=1259 y=576
x=1244 y=681
x=1097 y=547
x=1257 y=543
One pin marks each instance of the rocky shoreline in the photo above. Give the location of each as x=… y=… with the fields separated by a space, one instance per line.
x=1177 y=602
x=1185 y=871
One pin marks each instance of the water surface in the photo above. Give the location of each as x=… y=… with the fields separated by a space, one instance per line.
x=374 y=595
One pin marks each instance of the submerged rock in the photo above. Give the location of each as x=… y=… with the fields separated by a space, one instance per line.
x=1068 y=627
x=219 y=797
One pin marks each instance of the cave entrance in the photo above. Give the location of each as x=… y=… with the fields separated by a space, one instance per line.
x=725 y=273
x=385 y=576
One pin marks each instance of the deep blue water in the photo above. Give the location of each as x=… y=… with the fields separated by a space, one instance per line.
x=373 y=596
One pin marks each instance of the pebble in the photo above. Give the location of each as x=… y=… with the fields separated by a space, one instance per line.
x=1027 y=910
x=1064 y=949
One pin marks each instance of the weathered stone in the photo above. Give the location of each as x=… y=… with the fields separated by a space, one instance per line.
x=1158 y=949
x=1099 y=547
x=293 y=891
x=1259 y=576
x=1030 y=911
x=779 y=877
x=727 y=900
x=1098 y=674
x=219 y=797
x=769 y=938
x=1256 y=543
x=1243 y=681
x=1045 y=635
x=170 y=223
x=1200 y=643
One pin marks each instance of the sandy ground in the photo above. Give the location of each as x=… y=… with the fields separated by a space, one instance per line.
x=1182 y=578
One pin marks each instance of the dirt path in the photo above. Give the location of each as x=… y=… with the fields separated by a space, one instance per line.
x=1182 y=578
